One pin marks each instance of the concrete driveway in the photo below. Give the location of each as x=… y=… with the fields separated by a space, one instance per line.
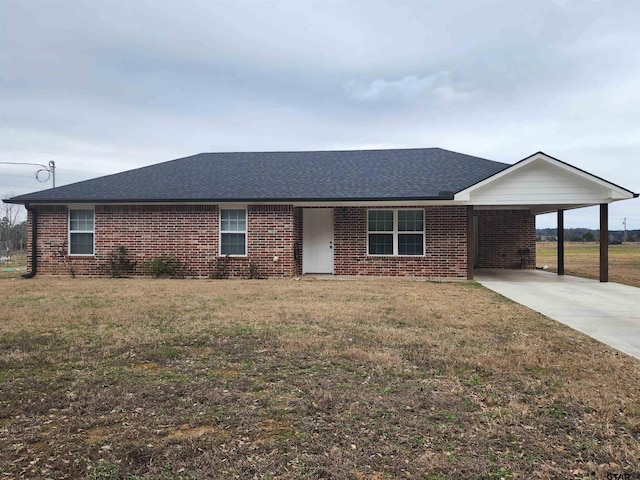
x=608 y=312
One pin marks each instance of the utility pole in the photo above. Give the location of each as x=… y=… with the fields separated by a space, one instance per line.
x=52 y=169
x=624 y=222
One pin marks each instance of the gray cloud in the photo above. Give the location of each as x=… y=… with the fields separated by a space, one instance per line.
x=105 y=86
x=411 y=89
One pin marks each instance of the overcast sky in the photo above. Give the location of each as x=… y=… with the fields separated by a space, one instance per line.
x=105 y=86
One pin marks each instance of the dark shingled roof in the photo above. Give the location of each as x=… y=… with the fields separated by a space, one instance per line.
x=407 y=174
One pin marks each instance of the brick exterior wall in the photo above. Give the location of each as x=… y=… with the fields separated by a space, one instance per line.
x=272 y=234
x=502 y=234
x=187 y=232
x=445 y=251
x=52 y=239
x=191 y=234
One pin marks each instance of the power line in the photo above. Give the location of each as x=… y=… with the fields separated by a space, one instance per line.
x=54 y=154
x=50 y=170
x=18 y=176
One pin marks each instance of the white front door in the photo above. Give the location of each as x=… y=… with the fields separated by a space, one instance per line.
x=317 y=240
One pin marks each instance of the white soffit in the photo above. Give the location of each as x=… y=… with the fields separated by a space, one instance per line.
x=542 y=180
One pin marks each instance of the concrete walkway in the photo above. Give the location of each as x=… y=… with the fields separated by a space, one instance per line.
x=608 y=312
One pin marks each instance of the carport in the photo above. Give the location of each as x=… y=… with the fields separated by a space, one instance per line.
x=537 y=185
x=609 y=313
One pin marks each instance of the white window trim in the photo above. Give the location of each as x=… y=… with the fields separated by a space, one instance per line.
x=69 y=232
x=245 y=231
x=396 y=232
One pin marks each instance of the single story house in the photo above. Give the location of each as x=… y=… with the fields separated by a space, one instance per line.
x=424 y=212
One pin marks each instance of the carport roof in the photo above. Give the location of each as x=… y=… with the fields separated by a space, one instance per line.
x=541 y=184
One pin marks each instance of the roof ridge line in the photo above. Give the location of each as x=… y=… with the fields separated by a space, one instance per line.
x=327 y=151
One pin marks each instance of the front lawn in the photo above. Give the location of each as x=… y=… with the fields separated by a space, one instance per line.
x=365 y=379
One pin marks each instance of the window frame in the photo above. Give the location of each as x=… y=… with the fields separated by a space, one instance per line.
x=395 y=233
x=71 y=232
x=245 y=232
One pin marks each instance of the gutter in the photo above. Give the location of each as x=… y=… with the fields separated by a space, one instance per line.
x=34 y=242
x=443 y=195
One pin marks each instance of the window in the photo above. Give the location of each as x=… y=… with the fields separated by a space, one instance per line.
x=395 y=232
x=81 y=232
x=381 y=221
x=233 y=232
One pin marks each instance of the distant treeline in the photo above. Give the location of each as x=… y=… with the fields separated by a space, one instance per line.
x=586 y=235
x=12 y=237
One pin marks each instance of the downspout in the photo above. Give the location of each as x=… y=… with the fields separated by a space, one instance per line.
x=34 y=242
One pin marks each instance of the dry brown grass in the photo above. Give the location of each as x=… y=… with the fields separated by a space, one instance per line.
x=177 y=379
x=583 y=260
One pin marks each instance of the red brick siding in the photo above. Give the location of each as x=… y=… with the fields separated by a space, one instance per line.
x=188 y=232
x=271 y=234
x=501 y=233
x=52 y=226
x=445 y=253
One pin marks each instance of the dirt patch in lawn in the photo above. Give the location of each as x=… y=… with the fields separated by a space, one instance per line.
x=187 y=432
x=145 y=379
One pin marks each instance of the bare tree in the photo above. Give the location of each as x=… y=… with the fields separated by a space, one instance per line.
x=12 y=225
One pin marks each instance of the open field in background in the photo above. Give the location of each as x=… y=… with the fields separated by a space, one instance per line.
x=583 y=260
x=367 y=379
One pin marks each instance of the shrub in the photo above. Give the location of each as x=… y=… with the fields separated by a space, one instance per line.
x=163 y=266
x=62 y=252
x=118 y=263
x=220 y=268
x=254 y=271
